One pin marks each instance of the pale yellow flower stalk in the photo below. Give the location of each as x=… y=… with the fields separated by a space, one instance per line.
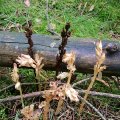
x=15 y=78
x=100 y=56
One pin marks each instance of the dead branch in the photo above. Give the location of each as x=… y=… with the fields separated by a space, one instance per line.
x=95 y=109
x=87 y=79
x=100 y=94
x=81 y=81
x=36 y=94
x=5 y=88
x=29 y=95
x=12 y=85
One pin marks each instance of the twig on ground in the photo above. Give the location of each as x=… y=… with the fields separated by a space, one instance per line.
x=100 y=94
x=53 y=32
x=102 y=81
x=116 y=81
x=29 y=95
x=91 y=114
x=70 y=108
x=12 y=85
x=81 y=81
x=5 y=88
x=36 y=94
x=96 y=110
x=62 y=115
x=84 y=80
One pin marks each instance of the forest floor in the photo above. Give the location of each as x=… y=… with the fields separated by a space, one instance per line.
x=89 y=19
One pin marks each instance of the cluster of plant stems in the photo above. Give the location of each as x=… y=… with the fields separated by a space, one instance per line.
x=56 y=91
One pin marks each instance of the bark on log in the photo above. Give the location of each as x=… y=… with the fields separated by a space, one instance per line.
x=13 y=44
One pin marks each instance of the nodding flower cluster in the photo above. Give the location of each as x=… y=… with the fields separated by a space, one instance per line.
x=27 y=61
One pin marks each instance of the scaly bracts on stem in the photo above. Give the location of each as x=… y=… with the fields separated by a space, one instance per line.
x=64 y=34
x=28 y=34
x=98 y=68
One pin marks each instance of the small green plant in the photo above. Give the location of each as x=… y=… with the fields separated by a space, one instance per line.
x=2 y=114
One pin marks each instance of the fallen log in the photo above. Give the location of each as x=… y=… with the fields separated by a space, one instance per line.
x=13 y=44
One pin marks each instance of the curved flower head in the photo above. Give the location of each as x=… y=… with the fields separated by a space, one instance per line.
x=69 y=58
x=14 y=74
x=26 y=60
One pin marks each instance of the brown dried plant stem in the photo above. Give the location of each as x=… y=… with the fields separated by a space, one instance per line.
x=64 y=34
x=69 y=77
x=94 y=93
x=60 y=103
x=46 y=109
x=96 y=110
x=36 y=94
x=21 y=95
x=87 y=91
x=100 y=55
x=15 y=78
x=59 y=106
x=38 y=81
x=38 y=76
